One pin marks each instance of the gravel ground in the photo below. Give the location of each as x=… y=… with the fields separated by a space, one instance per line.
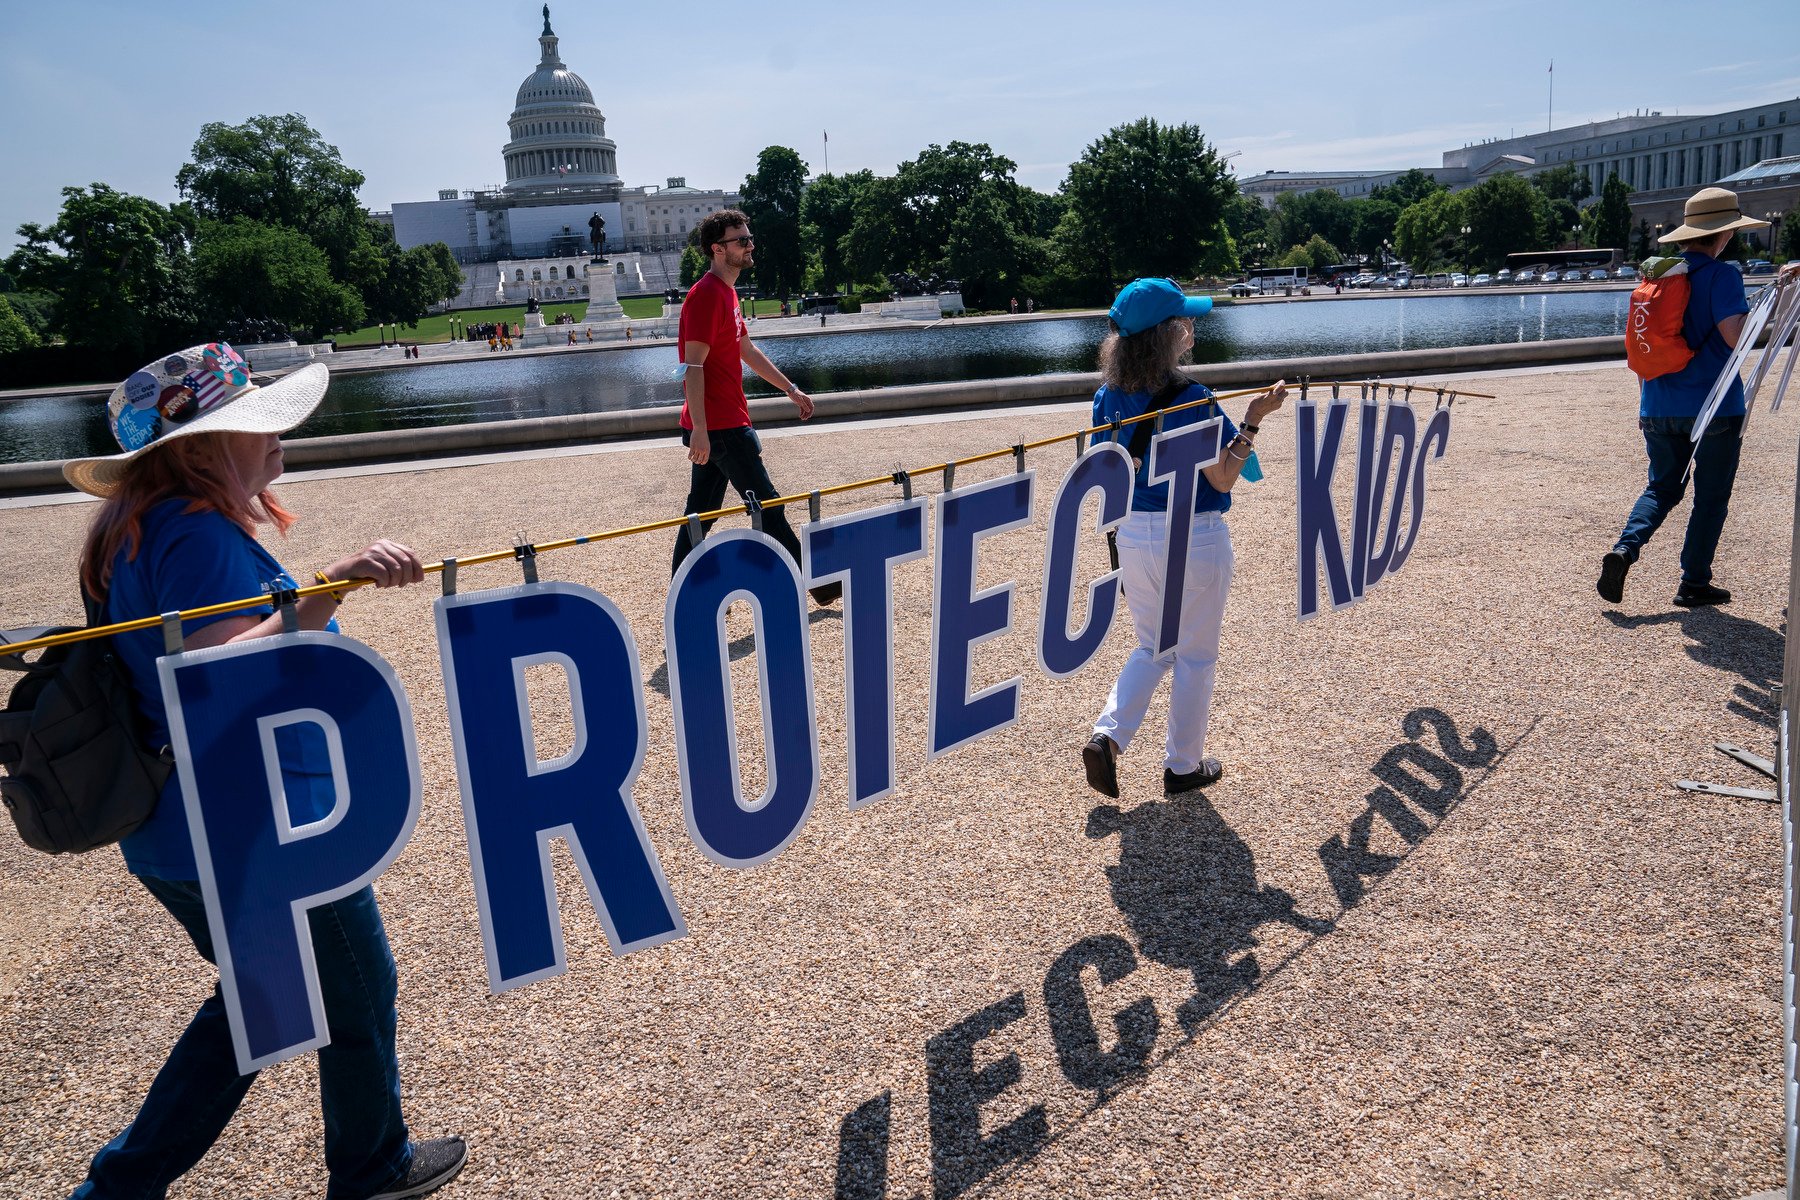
x=1445 y=928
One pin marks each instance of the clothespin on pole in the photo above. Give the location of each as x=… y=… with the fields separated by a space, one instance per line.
x=1019 y=454
x=1440 y=397
x=449 y=577
x=1081 y=437
x=287 y=603
x=1305 y=382
x=696 y=531
x=753 y=508
x=526 y=554
x=1408 y=396
x=171 y=630
x=1334 y=393
x=904 y=479
x=812 y=505
x=949 y=476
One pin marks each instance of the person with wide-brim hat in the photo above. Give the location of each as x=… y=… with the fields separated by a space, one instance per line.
x=1669 y=404
x=199 y=448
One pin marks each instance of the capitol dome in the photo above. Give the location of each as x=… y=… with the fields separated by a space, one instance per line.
x=558 y=132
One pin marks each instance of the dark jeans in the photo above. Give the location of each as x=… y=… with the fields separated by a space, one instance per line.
x=1715 y=467
x=199 y=1087
x=735 y=458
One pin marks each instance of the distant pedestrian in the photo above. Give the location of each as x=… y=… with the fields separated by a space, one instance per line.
x=1012 y=306
x=1668 y=405
x=1030 y=305
x=714 y=345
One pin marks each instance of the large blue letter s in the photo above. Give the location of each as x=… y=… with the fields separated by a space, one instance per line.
x=261 y=868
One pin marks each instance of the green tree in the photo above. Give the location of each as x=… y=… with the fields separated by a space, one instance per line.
x=1428 y=233
x=1612 y=215
x=278 y=171
x=36 y=309
x=1075 y=271
x=1315 y=255
x=827 y=212
x=1153 y=196
x=772 y=202
x=1641 y=245
x=1503 y=218
x=1563 y=183
x=693 y=265
x=1410 y=188
x=400 y=286
x=1300 y=215
x=987 y=252
x=1373 y=224
x=1561 y=222
x=14 y=333
x=1790 y=235
x=251 y=271
x=118 y=267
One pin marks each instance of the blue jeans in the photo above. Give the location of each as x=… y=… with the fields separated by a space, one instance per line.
x=735 y=458
x=1715 y=467
x=198 y=1088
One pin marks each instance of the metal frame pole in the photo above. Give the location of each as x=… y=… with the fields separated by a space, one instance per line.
x=1790 y=878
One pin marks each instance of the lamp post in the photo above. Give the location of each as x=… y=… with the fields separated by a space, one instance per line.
x=1385 y=247
x=1774 y=220
x=1466 y=230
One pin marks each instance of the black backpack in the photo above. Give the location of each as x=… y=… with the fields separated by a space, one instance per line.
x=78 y=773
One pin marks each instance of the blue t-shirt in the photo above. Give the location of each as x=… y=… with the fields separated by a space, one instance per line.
x=1716 y=291
x=187 y=560
x=1111 y=404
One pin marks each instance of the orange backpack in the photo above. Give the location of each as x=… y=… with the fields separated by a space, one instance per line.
x=1654 y=345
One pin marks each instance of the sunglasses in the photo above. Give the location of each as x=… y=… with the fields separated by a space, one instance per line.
x=746 y=241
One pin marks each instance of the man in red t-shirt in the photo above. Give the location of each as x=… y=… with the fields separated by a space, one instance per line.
x=715 y=417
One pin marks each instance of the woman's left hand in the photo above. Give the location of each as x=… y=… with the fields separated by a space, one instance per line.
x=1268 y=402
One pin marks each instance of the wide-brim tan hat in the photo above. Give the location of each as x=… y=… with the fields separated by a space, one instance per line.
x=203 y=389
x=1709 y=211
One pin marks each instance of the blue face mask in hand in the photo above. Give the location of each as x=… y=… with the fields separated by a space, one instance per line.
x=1252 y=472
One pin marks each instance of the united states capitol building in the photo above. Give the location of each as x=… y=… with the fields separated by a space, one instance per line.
x=529 y=237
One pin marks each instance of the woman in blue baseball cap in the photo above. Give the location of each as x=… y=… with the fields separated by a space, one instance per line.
x=1153 y=330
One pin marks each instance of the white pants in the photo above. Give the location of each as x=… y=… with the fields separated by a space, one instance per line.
x=1196 y=654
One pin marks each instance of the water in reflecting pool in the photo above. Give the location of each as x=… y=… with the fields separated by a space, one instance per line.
x=502 y=388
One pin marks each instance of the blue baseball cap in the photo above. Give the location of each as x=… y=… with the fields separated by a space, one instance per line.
x=1147 y=303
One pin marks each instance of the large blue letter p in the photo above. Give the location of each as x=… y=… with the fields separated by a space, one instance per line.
x=261 y=870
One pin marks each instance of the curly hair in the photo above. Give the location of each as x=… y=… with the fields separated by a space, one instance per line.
x=1143 y=362
x=712 y=230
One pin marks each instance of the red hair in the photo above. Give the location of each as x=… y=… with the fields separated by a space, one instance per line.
x=197 y=467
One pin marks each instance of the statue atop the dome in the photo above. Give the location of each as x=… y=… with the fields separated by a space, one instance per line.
x=547 y=32
x=597 y=233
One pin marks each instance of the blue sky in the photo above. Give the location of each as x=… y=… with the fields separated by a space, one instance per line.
x=416 y=95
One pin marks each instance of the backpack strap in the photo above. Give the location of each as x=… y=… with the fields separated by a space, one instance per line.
x=1145 y=430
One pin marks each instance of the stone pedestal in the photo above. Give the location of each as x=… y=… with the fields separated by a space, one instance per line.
x=533 y=320
x=603 y=299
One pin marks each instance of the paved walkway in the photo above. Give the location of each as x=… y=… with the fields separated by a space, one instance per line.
x=1529 y=968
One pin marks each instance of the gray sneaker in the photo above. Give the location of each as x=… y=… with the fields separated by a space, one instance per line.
x=434 y=1164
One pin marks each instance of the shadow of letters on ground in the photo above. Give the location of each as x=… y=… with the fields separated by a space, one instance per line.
x=1186 y=884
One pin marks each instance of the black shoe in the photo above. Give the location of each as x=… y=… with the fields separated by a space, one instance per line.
x=1699 y=595
x=828 y=593
x=1209 y=773
x=434 y=1164
x=1612 y=577
x=1100 y=758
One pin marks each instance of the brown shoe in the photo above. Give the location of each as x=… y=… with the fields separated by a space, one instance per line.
x=1100 y=758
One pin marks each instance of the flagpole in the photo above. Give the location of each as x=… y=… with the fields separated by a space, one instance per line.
x=1550 y=117
x=827 y=136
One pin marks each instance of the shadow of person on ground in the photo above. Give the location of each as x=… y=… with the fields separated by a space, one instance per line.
x=1718 y=639
x=741 y=647
x=1186 y=883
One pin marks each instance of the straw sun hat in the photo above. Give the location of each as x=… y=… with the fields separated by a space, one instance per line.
x=1709 y=211
x=203 y=389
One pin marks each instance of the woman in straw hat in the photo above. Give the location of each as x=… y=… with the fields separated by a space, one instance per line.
x=1153 y=329
x=177 y=531
x=1669 y=404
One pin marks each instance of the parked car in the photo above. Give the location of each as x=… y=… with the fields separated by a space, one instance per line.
x=1759 y=266
x=1551 y=276
x=1626 y=272
x=1482 y=280
x=1241 y=289
x=1362 y=281
x=1528 y=275
x=1403 y=280
x=1598 y=275
x=1505 y=275
x=1458 y=279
